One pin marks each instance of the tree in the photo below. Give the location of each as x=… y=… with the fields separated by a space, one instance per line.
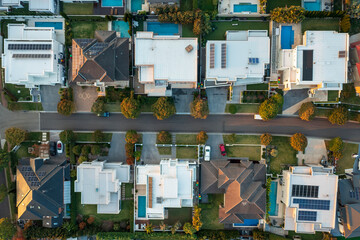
x=82 y=159
x=15 y=136
x=98 y=106
x=163 y=108
x=202 y=137
x=265 y=139
x=149 y=228
x=307 y=111
x=199 y=108
x=339 y=116
x=7 y=229
x=98 y=136
x=130 y=107
x=66 y=107
x=95 y=150
x=189 y=229
x=77 y=150
x=82 y=225
x=3 y=192
x=270 y=107
x=292 y=14
x=85 y=150
x=67 y=136
x=345 y=23
x=132 y=137
x=164 y=137
x=175 y=227
x=196 y=222
x=298 y=141
x=4 y=158
x=336 y=144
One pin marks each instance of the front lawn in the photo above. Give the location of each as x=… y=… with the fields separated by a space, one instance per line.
x=333 y=95
x=186 y=152
x=78 y=8
x=347 y=161
x=331 y=24
x=33 y=136
x=88 y=137
x=242 y=139
x=222 y=27
x=244 y=108
x=271 y=4
x=286 y=154
x=86 y=29
x=260 y=86
x=20 y=92
x=112 y=107
x=186 y=139
x=26 y=106
x=210 y=212
x=164 y=150
x=251 y=152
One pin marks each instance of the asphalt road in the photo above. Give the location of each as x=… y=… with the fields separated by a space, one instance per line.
x=213 y=124
x=4 y=205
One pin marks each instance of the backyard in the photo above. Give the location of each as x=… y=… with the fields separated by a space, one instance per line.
x=86 y=29
x=210 y=212
x=244 y=108
x=182 y=215
x=331 y=24
x=78 y=8
x=222 y=27
x=271 y=4
x=286 y=154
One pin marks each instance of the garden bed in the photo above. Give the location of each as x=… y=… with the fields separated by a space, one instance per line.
x=254 y=96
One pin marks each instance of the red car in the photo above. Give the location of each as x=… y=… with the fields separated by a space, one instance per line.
x=222 y=149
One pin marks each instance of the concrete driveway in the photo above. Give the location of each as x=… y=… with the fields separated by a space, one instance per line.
x=50 y=97
x=236 y=93
x=314 y=152
x=213 y=141
x=217 y=99
x=182 y=99
x=149 y=153
x=117 y=148
x=84 y=97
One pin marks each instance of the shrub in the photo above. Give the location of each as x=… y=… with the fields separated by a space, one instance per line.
x=132 y=137
x=196 y=222
x=188 y=228
x=85 y=150
x=90 y=220
x=67 y=136
x=7 y=229
x=202 y=137
x=345 y=23
x=164 y=137
x=199 y=108
x=82 y=159
x=298 y=141
x=77 y=150
x=232 y=109
x=73 y=173
x=339 y=116
x=98 y=136
x=149 y=228
x=163 y=108
x=15 y=136
x=130 y=160
x=307 y=111
x=268 y=109
x=98 y=106
x=95 y=150
x=66 y=107
x=82 y=225
x=266 y=139
x=292 y=14
x=130 y=107
x=336 y=144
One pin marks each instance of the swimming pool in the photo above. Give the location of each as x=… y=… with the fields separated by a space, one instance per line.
x=287 y=37
x=272 y=198
x=163 y=28
x=112 y=3
x=313 y=6
x=141 y=206
x=121 y=27
x=136 y=5
x=247 y=223
x=56 y=25
x=245 y=7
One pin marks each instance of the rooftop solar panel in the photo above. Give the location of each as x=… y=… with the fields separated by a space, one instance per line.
x=307 y=216
x=312 y=204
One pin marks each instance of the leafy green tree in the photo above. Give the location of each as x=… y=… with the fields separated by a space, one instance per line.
x=67 y=136
x=339 y=116
x=7 y=229
x=188 y=228
x=82 y=159
x=77 y=150
x=163 y=108
x=199 y=108
x=164 y=137
x=66 y=107
x=95 y=150
x=98 y=106
x=292 y=14
x=4 y=158
x=268 y=109
x=307 y=111
x=98 y=136
x=202 y=137
x=265 y=139
x=149 y=228
x=336 y=144
x=130 y=107
x=132 y=137
x=15 y=136
x=85 y=150
x=298 y=141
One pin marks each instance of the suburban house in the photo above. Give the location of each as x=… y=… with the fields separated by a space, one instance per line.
x=243 y=184
x=236 y=7
x=309 y=194
x=354 y=57
x=241 y=59
x=165 y=62
x=321 y=63
x=48 y=6
x=101 y=62
x=349 y=201
x=43 y=190
x=167 y=185
x=100 y=182
x=32 y=56
x=6 y=5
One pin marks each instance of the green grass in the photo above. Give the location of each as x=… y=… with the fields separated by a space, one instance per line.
x=286 y=154
x=244 y=108
x=12 y=196
x=322 y=112
x=271 y=4
x=186 y=5
x=208 y=5
x=112 y=107
x=87 y=137
x=26 y=106
x=183 y=215
x=260 y=86
x=210 y=212
x=242 y=139
x=164 y=150
x=20 y=92
x=78 y=8
x=316 y=236
x=22 y=152
x=347 y=161
x=187 y=31
x=222 y=27
x=251 y=152
x=128 y=190
x=333 y=95
x=331 y=24
x=82 y=29
x=33 y=136
x=149 y=101
x=186 y=152
x=186 y=139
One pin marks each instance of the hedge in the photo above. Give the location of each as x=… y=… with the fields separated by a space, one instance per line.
x=141 y=235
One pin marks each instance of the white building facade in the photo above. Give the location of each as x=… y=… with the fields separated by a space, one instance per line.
x=32 y=56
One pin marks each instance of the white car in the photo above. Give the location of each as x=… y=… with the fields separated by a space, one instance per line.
x=207 y=153
x=59 y=147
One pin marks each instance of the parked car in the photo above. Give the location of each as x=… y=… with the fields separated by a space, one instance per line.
x=59 y=147
x=52 y=148
x=222 y=149
x=105 y=114
x=207 y=153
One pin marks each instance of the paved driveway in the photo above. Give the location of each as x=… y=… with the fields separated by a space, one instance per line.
x=213 y=141
x=182 y=99
x=292 y=98
x=149 y=153
x=50 y=97
x=84 y=98
x=217 y=99
x=117 y=149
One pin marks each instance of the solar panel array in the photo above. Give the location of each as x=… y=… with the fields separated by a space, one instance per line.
x=309 y=191
x=307 y=216
x=223 y=55
x=355 y=194
x=31 y=56
x=212 y=55
x=312 y=204
x=254 y=60
x=30 y=176
x=29 y=47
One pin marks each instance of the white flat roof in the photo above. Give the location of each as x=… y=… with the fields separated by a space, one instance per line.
x=41 y=5
x=165 y=58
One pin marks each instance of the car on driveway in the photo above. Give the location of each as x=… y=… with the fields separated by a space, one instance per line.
x=59 y=147
x=105 y=114
x=52 y=148
x=222 y=149
x=207 y=153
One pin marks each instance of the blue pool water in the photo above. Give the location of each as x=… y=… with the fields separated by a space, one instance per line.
x=56 y=25
x=136 y=5
x=287 y=37
x=272 y=198
x=163 y=28
x=246 y=7
x=121 y=27
x=313 y=6
x=141 y=206
x=247 y=223
x=112 y=3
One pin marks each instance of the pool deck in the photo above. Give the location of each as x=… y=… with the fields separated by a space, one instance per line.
x=60 y=33
x=297 y=33
x=99 y=10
